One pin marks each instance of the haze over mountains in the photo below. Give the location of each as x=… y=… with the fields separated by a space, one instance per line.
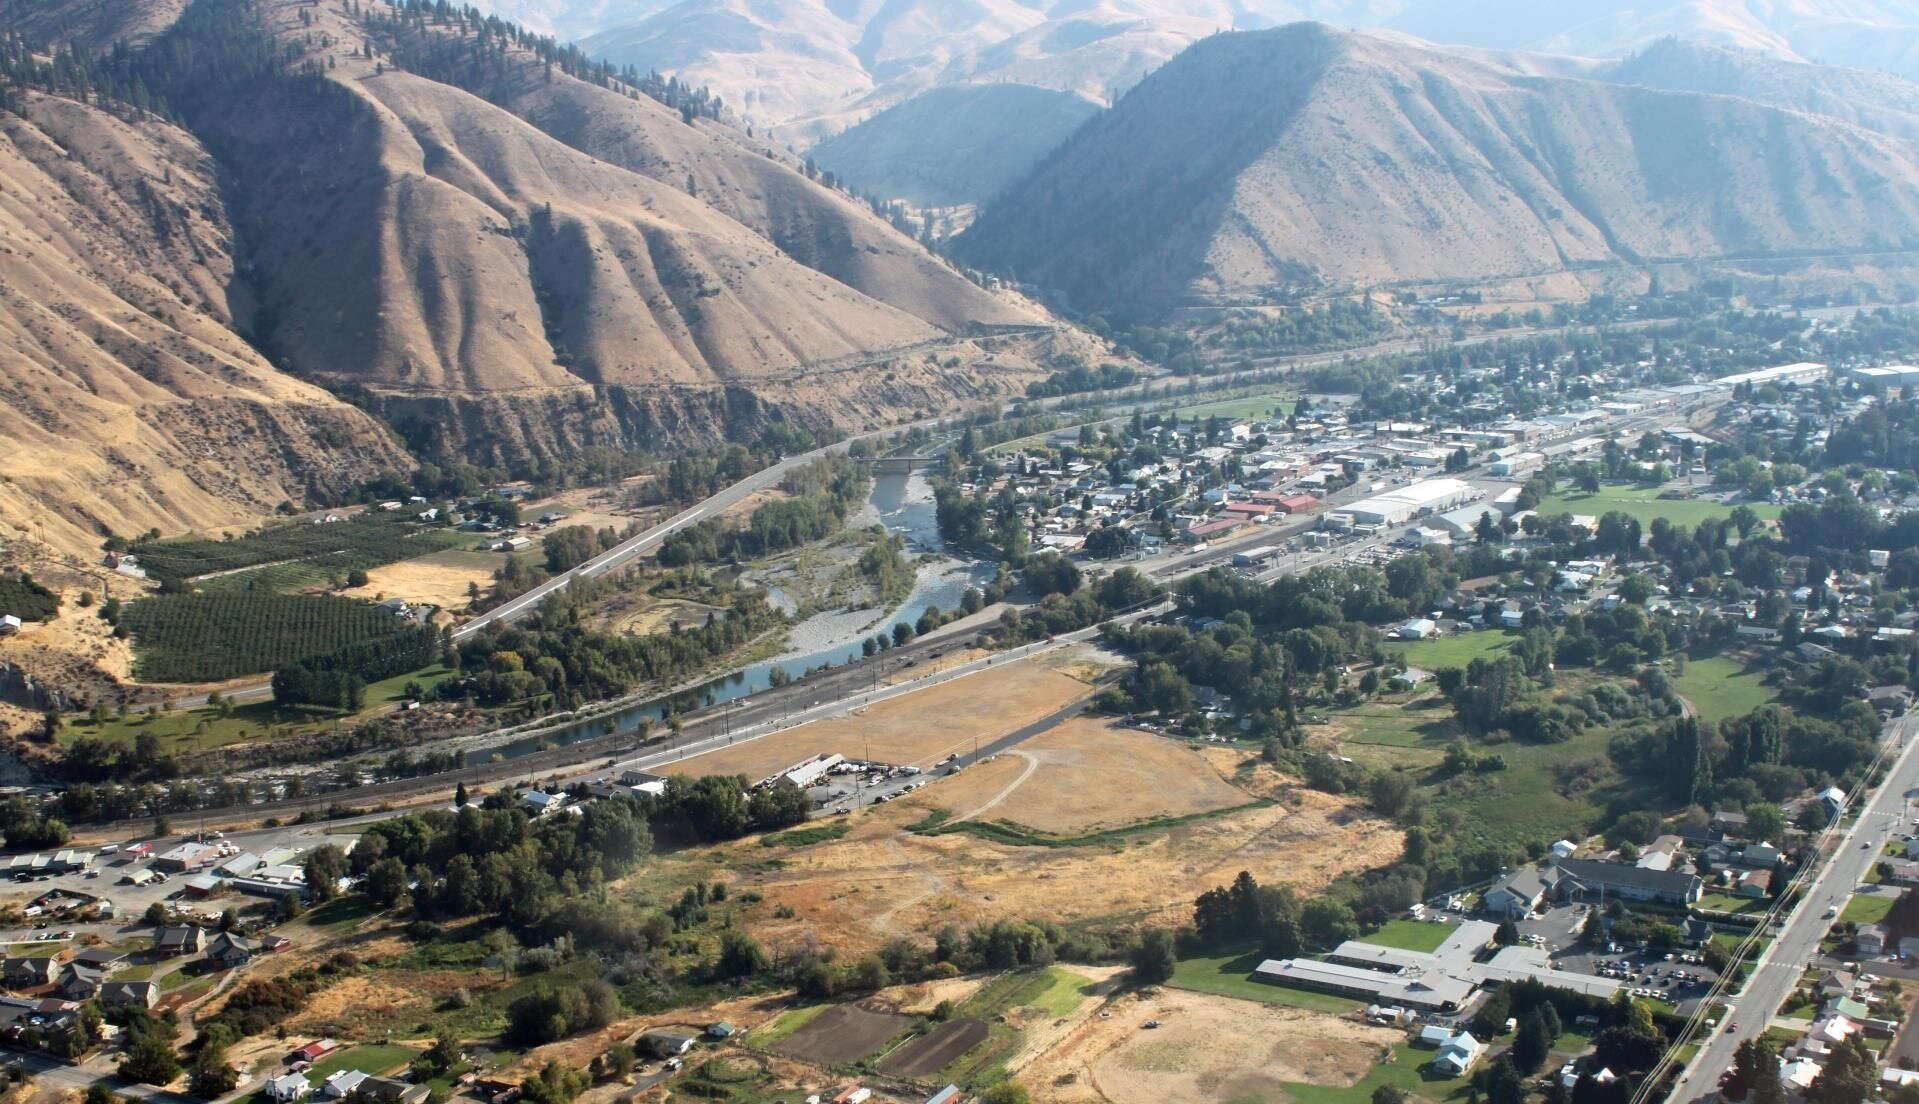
x=1309 y=156
x=493 y=257
x=814 y=67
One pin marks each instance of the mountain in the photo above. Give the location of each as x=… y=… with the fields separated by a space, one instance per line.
x=1864 y=34
x=954 y=145
x=1872 y=100
x=1307 y=155
x=472 y=235
x=126 y=398
x=814 y=67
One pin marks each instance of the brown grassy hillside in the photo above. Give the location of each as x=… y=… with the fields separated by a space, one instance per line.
x=125 y=399
x=1304 y=155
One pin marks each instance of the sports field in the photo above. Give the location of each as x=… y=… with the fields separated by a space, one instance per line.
x=1645 y=504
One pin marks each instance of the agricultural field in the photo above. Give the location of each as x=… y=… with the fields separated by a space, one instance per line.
x=190 y=638
x=441 y=579
x=1084 y=776
x=885 y=879
x=1276 y=1054
x=1644 y=504
x=919 y=730
x=1456 y=650
x=309 y=552
x=1720 y=688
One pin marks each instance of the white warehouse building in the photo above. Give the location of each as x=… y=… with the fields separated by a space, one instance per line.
x=1413 y=500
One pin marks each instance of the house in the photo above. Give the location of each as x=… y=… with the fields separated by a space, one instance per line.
x=539 y=803
x=288 y=1087
x=1515 y=895
x=101 y=958
x=9 y=624
x=1698 y=932
x=1459 y=1054
x=951 y=1094
x=1435 y=1035
x=340 y=1084
x=129 y=994
x=855 y=1094
x=181 y=939
x=1872 y=939
x=1564 y=849
x=667 y=1044
x=385 y=1090
x=722 y=1030
x=1889 y=701
x=1755 y=884
x=22 y=973
x=1849 y=1008
x=228 y=951
x=1834 y=800
x=81 y=983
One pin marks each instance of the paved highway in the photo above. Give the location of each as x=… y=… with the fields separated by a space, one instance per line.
x=1850 y=851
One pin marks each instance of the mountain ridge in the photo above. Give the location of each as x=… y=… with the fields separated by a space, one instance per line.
x=1405 y=163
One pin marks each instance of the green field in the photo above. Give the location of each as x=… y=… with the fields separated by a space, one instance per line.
x=1644 y=504
x=1524 y=802
x=1725 y=902
x=205 y=638
x=184 y=731
x=1411 y=935
x=374 y=1058
x=1453 y=651
x=1720 y=688
x=1230 y=975
x=1864 y=909
x=1274 y=404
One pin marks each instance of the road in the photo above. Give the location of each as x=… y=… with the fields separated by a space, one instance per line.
x=1777 y=972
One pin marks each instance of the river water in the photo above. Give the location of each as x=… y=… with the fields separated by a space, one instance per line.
x=905 y=506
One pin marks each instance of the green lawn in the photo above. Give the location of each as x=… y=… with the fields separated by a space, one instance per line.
x=1411 y=935
x=1406 y=1070
x=1053 y=990
x=1270 y=405
x=190 y=730
x=1230 y=975
x=1720 y=688
x=1453 y=651
x=1423 y=722
x=1863 y=909
x=1644 y=504
x=1726 y=902
x=374 y=1058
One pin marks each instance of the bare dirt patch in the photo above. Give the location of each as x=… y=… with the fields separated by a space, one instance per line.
x=440 y=579
x=936 y=1049
x=843 y=1034
x=882 y=881
x=918 y=729
x=1117 y=1061
x=1091 y=773
x=662 y=615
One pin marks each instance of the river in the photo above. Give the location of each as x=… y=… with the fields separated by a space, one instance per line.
x=904 y=504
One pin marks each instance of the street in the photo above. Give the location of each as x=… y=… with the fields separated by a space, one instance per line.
x=1777 y=971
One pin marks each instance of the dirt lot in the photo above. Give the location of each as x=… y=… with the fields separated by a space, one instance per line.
x=843 y=1034
x=440 y=579
x=936 y=1049
x=661 y=615
x=919 y=729
x=1087 y=774
x=1116 y=1061
x=882 y=881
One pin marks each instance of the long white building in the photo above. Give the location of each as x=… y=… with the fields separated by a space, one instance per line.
x=1399 y=506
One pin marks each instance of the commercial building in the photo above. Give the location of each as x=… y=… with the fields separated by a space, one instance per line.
x=1784 y=373
x=1892 y=375
x=1413 y=500
x=1436 y=993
